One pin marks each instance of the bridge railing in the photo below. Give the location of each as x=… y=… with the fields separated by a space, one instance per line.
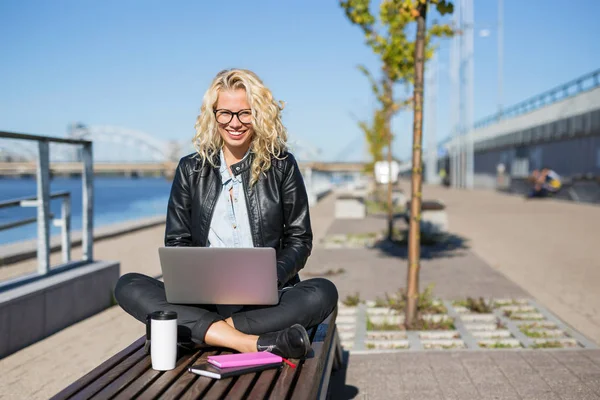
x=564 y=91
x=42 y=202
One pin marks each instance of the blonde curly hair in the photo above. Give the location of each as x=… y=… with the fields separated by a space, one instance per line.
x=270 y=136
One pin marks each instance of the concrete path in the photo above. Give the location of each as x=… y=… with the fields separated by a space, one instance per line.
x=452 y=375
x=549 y=248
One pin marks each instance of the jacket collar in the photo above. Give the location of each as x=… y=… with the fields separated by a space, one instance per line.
x=241 y=166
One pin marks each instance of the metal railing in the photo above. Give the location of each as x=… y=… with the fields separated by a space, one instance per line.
x=42 y=202
x=582 y=84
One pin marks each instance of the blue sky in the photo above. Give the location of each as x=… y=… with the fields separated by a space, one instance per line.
x=145 y=65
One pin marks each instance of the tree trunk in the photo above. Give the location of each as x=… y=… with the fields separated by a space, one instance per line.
x=414 y=245
x=387 y=87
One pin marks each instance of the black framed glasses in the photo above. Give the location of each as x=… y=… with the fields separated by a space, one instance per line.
x=225 y=116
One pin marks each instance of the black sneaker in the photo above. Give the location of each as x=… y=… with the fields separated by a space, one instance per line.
x=292 y=342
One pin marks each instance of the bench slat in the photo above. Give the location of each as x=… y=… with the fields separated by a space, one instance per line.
x=175 y=384
x=216 y=386
x=159 y=379
x=125 y=379
x=264 y=384
x=111 y=375
x=310 y=379
x=99 y=371
x=220 y=388
x=285 y=381
x=242 y=385
x=138 y=385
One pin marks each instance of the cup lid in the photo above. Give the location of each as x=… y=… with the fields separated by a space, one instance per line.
x=163 y=315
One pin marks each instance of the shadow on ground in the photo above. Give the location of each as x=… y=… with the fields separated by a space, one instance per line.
x=432 y=246
x=338 y=390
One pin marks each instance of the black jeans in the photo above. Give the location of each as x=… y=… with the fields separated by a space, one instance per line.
x=307 y=303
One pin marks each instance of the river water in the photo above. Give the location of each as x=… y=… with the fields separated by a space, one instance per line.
x=116 y=199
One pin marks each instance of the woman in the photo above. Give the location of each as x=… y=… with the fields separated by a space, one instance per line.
x=241 y=189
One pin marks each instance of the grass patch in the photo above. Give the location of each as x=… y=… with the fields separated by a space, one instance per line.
x=474 y=305
x=424 y=325
x=519 y=316
x=425 y=303
x=533 y=334
x=381 y=207
x=548 y=345
x=535 y=325
x=352 y=300
x=370 y=346
x=511 y=302
x=497 y=345
x=354 y=239
x=442 y=347
x=329 y=272
x=384 y=326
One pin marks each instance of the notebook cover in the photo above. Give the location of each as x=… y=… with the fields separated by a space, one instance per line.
x=211 y=371
x=244 y=359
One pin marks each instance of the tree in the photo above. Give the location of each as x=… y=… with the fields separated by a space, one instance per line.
x=388 y=38
x=402 y=60
x=375 y=137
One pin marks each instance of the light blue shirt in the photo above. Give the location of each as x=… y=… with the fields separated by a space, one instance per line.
x=230 y=225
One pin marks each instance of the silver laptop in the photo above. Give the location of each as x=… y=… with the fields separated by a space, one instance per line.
x=213 y=275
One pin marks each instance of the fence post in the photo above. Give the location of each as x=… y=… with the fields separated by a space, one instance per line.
x=43 y=207
x=66 y=228
x=88 y=202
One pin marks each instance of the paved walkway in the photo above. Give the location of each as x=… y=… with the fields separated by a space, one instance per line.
x=69 y=354
x=549 y=248
x=453 y=375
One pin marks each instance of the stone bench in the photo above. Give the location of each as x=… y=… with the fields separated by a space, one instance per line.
x=350 y=207
x=434 y=218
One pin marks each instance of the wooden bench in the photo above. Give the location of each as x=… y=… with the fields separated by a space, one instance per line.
x=129 y=374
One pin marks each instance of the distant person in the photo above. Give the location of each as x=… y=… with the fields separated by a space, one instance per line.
x=546 y=182
x=444 y=177
x=241 y=188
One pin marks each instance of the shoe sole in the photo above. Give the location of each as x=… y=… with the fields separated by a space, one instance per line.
x=305 y=337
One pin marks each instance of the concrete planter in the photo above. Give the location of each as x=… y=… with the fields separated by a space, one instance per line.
x=564 y=342
x=478 y=318
x=545 y=333
x=381 y=311
x=443 y=344
x=518 y=309
x=350 y=207
x=345 y=319
x=386 y=335
x=537 y=325
x=527 y=316
x=387 y=319
x=478 y=327
x=492 y=334
x=386 y=344
x=499 y=344
x=346 y=311
x=436 y=335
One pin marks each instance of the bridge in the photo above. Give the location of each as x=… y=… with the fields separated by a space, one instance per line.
x=559 y=128
x=166 y=169
x=122 y=151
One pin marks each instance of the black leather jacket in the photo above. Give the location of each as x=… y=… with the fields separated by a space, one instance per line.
x=277 y=209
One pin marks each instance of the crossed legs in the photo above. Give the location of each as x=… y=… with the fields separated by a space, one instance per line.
x=308 y=304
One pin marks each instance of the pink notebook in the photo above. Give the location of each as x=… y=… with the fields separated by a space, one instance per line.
x=244 y=359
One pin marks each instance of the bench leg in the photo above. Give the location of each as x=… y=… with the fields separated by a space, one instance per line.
x=338 y=356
